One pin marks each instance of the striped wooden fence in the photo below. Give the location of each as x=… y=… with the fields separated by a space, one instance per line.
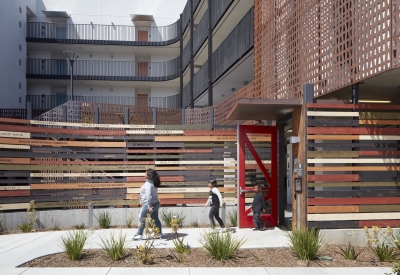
x=69 y=164
x=353 y=165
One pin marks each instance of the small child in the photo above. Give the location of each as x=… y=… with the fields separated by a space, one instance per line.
x=215 y=201
x=258 y=207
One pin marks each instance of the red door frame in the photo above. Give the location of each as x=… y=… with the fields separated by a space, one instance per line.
x=245 y=220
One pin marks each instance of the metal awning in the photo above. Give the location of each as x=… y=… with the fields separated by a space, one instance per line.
x=142 y=17
x=263 y=109
x=57 y=14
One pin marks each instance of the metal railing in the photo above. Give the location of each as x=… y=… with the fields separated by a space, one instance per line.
x=235 y=45
x=201 y=33
x=48 y=102
x=95 y=32
x=218 y=9
x=99 y=69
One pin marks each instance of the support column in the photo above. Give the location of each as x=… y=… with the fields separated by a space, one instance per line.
x=210 y=83
x=191 y=97
x=181 y=62
x=282 y=202
x=299 y=206
x=355 y=93
x=29 y=110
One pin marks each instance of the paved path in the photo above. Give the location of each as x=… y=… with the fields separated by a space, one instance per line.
x=20 y=248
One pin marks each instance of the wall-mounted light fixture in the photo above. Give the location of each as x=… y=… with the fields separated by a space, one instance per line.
x=111 y=89
x=91 y=88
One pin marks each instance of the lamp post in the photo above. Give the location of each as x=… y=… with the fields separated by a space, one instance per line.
x=71 y=57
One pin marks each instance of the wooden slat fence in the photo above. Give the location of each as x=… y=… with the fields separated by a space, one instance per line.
x=69 y=164
x=353 y=165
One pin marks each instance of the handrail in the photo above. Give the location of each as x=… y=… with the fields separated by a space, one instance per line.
x=97 y=32
x=52 y=101
x=120 y=70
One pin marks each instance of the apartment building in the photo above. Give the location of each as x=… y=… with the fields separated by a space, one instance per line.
x=130 y=52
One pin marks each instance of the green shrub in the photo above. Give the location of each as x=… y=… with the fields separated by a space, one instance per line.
x=31 y=217
x=169 y=216
x=115 y=247
x=104 y=219
x=145 y=252
x=26 y=227
x=129 y=220
x=74 y=242
x=80 y=225
x=349 y=252
x=220 y=246
x=305 y=243
x=396 y=240
x=56 y=226
x=381 y=242
x=1 y=224
x=233 y=217
x=194 y=224
x=182 y=250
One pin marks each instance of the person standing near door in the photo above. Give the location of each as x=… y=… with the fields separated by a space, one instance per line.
x=258 y=207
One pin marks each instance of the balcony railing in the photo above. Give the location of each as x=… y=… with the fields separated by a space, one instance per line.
x=95 y=34
x=48 y=102
x=103 y=70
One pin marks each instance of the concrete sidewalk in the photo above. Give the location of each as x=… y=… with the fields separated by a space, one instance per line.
x=20 y=248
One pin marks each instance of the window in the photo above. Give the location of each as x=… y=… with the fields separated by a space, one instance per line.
x=20 y=11
x=20 y=85
x=20 y=24
x=20 y=62
x=20 y=99
x=20 y=47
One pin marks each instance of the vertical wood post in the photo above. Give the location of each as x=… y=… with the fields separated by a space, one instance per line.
x=299 y=206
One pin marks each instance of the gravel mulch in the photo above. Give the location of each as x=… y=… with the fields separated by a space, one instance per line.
x=198 y=257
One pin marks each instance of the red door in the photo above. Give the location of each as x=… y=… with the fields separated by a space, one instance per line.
x=257 y=153
x=143 y=36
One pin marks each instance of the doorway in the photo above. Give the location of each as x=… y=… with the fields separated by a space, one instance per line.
x=143 y=100
x=258 y=150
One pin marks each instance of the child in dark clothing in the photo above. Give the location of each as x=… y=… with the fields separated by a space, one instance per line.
x=215 y=201
x=258 y=207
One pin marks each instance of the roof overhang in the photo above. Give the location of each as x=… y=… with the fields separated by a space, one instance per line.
x=263 y=109
x=142 y=17
x=56 y=14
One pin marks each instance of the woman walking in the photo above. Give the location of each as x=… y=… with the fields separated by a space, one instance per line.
x=150 y=202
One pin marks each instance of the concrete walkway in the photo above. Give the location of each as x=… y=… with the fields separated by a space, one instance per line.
x=20 y=248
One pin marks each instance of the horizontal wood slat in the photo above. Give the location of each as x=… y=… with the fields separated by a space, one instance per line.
x=353 y=193
x=333 y=114
x=333 y=209
x=15 y=193
x=352 y=131
x=354 y=168
x=353 y=201
x=379 y=122
x=353 y=216
x=334 y=177
x=34 y=142
x=352 y=184
x=361 y=106
x=333 y=154
x=381 y=223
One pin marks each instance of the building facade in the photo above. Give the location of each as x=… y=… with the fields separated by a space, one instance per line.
x=130 y=52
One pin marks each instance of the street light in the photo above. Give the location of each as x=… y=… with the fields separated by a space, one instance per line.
x=71 y=57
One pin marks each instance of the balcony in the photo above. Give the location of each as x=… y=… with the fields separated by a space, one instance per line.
x=103 y=70
x=102 y=34
x=48 y=102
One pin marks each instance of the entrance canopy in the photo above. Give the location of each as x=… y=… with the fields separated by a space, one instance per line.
x=263 y=109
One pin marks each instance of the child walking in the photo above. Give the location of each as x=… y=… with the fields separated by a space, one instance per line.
x=215 y=201
x=258 y=207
